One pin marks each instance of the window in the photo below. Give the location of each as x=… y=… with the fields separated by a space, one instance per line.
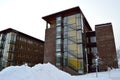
x=79 y=36
x=58 y=47
x=58 y=21
x=9 y=56
x=58 y=44
x=80 y=50
x=93 y=39
x=58 y=28
x=13 y=36
x=58 y=32
x=58 y=58
x=71 y=19
x=65 y=20
x=94 y=50
x=11 y=47
x=58 y=41
x=78 y=19
x=65 y=47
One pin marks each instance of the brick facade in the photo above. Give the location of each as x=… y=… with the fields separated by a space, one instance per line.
x=106 y=46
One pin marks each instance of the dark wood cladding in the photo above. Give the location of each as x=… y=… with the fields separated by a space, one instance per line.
x=27 y=49
x=90 y=33
x=106 y=46
x=49 y=51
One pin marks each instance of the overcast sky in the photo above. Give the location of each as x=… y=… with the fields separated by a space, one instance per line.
x=26 y=15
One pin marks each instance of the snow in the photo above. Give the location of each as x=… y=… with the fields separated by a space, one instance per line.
x=50 y=72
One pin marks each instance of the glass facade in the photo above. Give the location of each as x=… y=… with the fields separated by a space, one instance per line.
x=69 y=38
x=9 y=45
x=58 y=41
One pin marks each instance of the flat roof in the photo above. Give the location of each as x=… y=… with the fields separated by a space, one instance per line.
x=63 y=13
x=104 y=24
x=13 y=30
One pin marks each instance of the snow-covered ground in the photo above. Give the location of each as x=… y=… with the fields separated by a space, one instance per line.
x=50 y=72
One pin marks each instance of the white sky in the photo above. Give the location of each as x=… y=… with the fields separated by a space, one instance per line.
x=26 y=15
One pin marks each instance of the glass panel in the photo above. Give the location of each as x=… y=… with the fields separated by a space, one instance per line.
x=80 y=51
x=13 y=36
x=9 y=56
x=78 y=20
x=58 y=21
x=79 y=36
x=58 y=58
x=65 y=59
x=93 y=39
x=65 y=47
x=65 y=41
x=72 y=33
x=11 y=47
x=58 y=41
x=58 y=18
x=73 y=47
x=58 y=29
x=65 y=20
x=71 y=19
x=58 y=35
x=73 y=42
x=94 y=50
x=65 y=34
x=75 y=63
x=58 y=47
x=65 y=28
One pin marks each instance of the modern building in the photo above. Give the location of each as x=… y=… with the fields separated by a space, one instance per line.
x=72 y=46
x=17 y=48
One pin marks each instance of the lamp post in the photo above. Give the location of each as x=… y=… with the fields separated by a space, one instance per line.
x=96 y=65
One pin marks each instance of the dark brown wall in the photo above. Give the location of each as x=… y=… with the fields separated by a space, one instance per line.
x=106 y=46
x=28 y=50
x=49 y=50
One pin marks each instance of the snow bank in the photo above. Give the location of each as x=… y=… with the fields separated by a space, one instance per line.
x=50 y=72
x=38 y=72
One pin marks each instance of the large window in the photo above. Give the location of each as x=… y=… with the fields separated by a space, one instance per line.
x=73 y=46
x=58 y=41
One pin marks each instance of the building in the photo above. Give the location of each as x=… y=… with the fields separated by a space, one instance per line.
x=17 y=48
x=72 y=46
x=106 y=46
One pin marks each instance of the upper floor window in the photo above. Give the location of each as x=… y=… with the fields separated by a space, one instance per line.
x=94 y=50
x=93 y=39
x=13 y=36
x=58 y=29
x=58 y=21
x=58 y=41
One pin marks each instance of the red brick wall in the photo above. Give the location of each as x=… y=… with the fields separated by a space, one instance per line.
x=106 y=46
x=49 y=50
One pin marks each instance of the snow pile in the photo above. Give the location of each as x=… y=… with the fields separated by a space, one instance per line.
x=38 y=72
x=50 y=72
